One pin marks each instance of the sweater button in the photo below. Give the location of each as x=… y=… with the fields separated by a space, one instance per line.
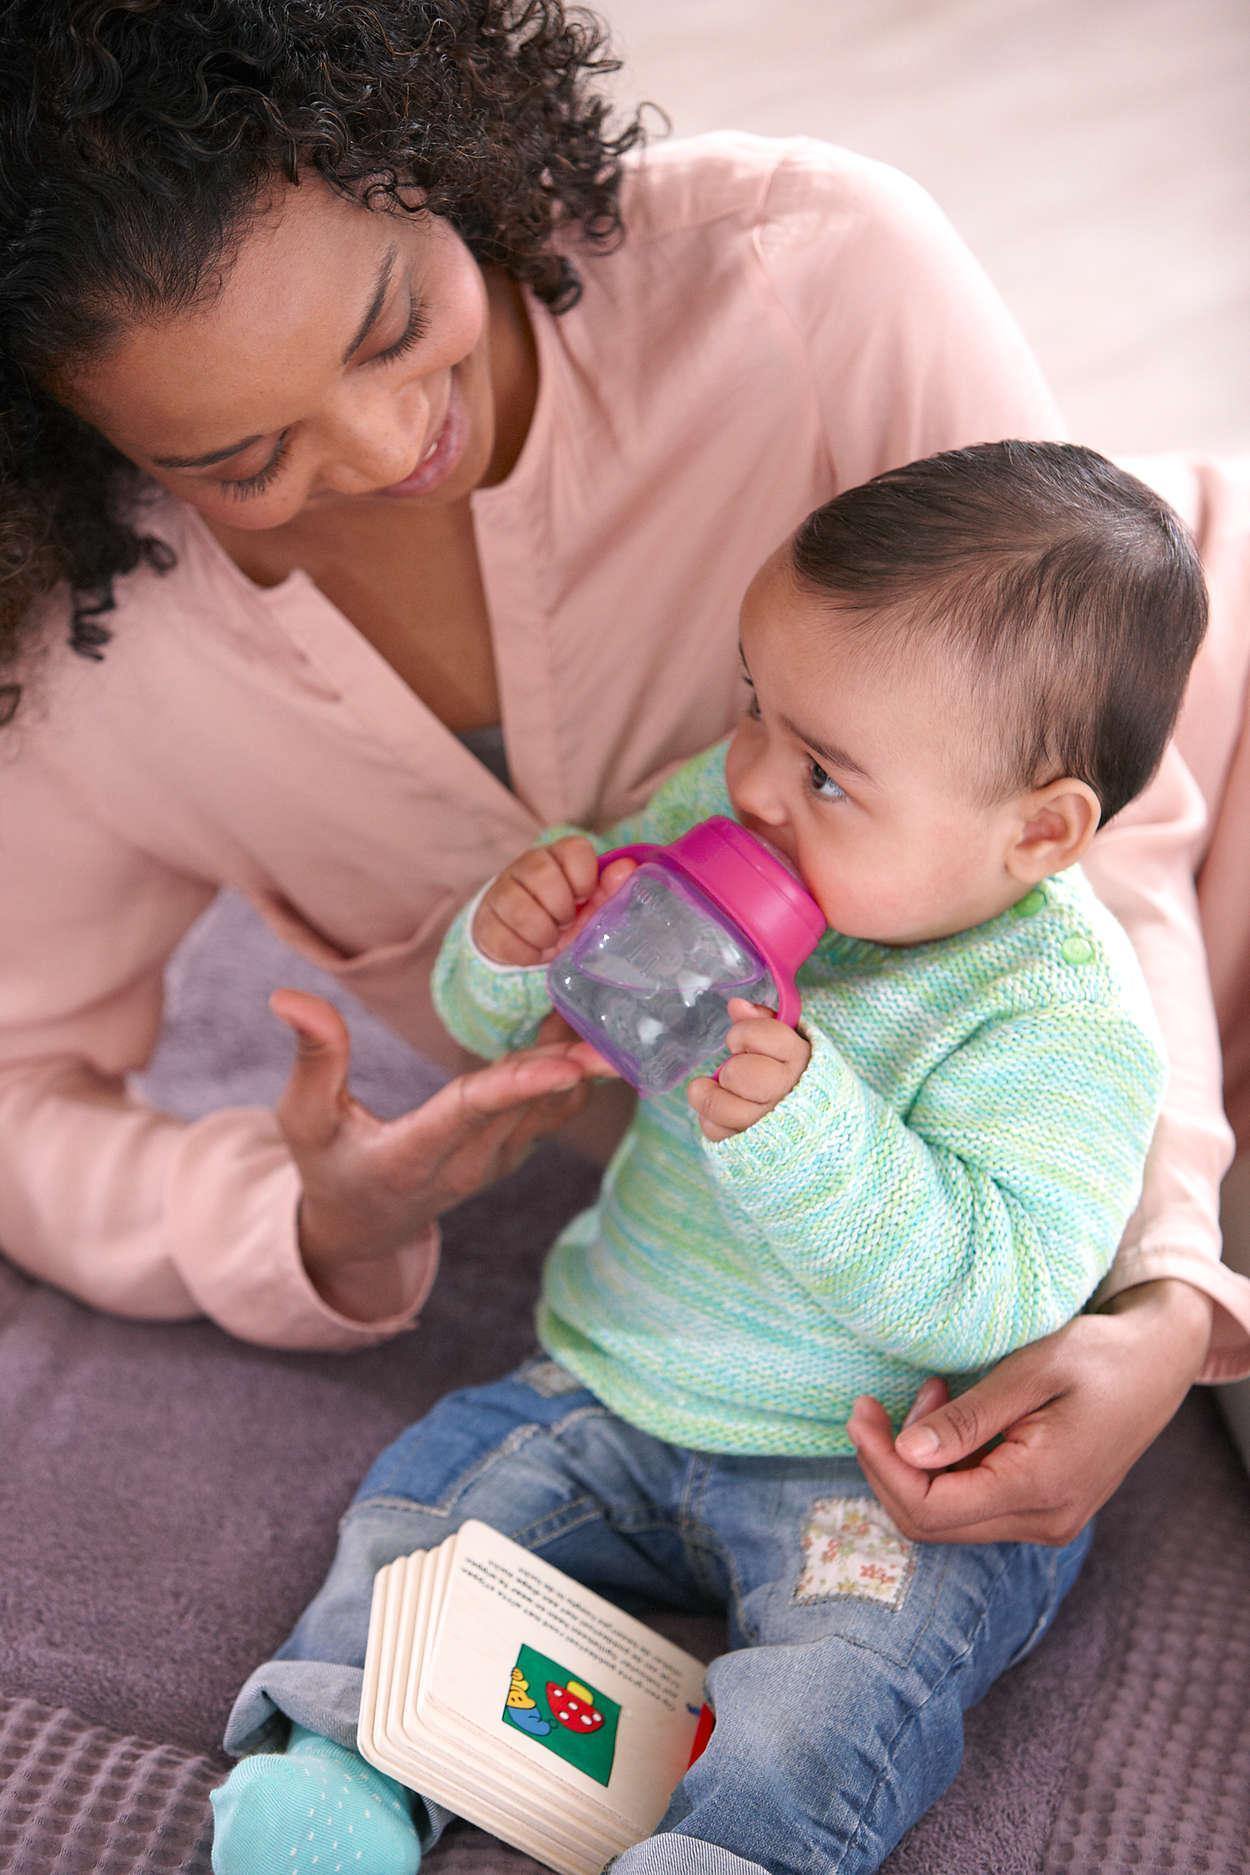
x=1077 y=950
x=1031 y=902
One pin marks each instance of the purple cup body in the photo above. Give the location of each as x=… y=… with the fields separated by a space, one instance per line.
x=648 y=979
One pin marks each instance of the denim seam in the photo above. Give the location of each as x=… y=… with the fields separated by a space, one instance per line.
x=697 y=1538
x=557 y=1523
x=507 y=1448
x=698 y=1471
x=746 y=1628
x=1044 y=1619
x=922 y=1628
x=909 y=1719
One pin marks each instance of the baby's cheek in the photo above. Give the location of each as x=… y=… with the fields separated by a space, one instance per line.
x=855 y=894
x=876 y=891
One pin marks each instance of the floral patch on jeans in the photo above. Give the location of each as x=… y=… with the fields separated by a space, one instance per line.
x=850 y=1547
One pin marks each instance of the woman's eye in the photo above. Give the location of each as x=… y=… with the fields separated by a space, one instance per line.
x=250 y=485
x=415 y=330
x=823 y=784
x=258 y=483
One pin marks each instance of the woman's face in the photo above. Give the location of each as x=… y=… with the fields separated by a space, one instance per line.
x=345 y=359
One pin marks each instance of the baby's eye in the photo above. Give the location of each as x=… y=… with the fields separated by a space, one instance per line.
x=823 y=783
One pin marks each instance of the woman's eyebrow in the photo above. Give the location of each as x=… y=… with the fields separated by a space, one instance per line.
x=206 y=461
x=375 y=304
x=380 y=290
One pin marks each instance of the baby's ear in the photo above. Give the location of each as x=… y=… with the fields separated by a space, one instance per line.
x=1055 y=826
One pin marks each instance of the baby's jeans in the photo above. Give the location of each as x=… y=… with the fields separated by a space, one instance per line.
x=839 y=1710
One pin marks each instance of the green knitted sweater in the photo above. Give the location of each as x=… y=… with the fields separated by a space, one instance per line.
x=947 y=1181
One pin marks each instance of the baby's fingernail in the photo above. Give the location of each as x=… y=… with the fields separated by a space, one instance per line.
x=917 y=1442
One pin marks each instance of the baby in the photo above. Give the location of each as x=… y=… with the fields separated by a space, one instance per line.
x=957 y=673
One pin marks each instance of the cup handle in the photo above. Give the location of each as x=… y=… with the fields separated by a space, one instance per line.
x=640 y=851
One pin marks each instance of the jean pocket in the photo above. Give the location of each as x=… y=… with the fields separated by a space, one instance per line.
x=432 y=1462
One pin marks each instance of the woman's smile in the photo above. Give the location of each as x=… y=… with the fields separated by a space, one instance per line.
x=442 y=454
x=339 y=397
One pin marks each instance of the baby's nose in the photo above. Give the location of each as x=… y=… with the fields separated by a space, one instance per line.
x=755 y=799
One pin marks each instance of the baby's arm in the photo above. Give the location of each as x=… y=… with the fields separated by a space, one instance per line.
x=984 y=1217
x=490 y=980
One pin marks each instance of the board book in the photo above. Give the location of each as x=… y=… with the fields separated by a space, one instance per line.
x=497 y=1686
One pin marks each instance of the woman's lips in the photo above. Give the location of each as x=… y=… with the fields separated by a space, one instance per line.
x=442 y=456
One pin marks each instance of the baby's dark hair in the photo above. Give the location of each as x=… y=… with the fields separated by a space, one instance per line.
x=1069 y=595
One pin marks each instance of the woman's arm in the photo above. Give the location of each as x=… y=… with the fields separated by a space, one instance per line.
x=1143 y=869
x=1076 y=1409
x=144 y=1215
x=124 y=1206
x=911 y=351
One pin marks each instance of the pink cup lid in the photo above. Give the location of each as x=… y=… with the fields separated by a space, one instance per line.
x=755 y=886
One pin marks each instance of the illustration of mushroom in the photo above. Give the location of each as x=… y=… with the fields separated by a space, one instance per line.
x=574 y=1706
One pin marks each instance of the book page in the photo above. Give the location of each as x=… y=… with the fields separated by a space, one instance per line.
x=523 y=1793
x=545 y=1668
x=403 y=1600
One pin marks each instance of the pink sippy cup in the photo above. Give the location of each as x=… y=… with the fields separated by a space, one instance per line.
x=647 y=980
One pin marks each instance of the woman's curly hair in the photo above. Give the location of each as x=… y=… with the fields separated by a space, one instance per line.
x=137 y=136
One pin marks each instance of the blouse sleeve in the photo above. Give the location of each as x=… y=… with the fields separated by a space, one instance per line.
x=123 y=1206
x=910 y=348
x=1142 y=868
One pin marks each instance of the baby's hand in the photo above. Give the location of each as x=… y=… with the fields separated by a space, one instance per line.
x=765 y=1061
x=537 y=903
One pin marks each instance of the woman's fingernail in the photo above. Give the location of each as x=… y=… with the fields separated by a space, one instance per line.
x=917 y=1442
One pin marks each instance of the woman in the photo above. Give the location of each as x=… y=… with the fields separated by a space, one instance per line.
x=432 y=450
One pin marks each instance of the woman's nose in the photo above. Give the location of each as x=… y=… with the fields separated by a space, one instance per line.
x=374 y=438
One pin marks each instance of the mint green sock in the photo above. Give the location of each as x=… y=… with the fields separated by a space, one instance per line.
x=314 y=1809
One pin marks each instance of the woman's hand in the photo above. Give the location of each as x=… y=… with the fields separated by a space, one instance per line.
x=1071 y=1413
x=371 y=1186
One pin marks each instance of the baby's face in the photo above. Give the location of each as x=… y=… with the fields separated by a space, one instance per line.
x=862 y=769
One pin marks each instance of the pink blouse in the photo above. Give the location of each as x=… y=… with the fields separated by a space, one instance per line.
x=784 y=319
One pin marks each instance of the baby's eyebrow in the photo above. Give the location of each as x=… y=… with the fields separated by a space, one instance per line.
x=829 y=752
